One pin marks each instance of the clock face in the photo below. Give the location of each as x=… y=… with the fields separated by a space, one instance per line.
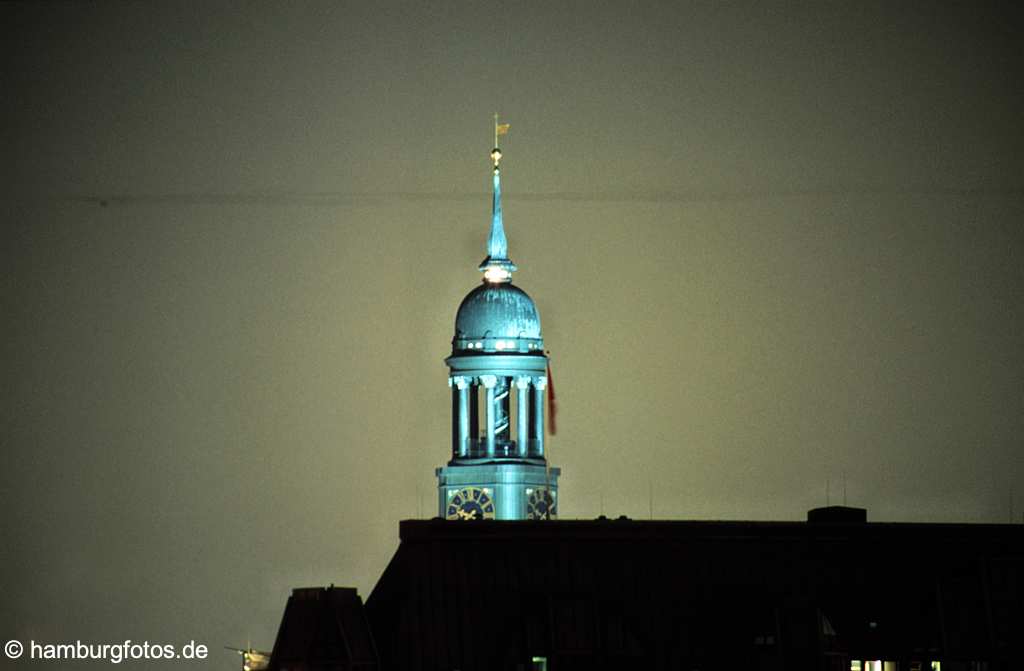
x=540 y=504
x=470 y=503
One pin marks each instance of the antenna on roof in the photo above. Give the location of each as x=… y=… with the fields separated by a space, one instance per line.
x=650 y=497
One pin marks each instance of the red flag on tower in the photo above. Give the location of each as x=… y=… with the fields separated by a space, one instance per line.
x=552 y=403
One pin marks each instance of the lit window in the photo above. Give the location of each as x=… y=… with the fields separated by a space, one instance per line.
x=539 y=664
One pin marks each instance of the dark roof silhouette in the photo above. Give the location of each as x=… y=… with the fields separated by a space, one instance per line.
x=324 y=628
x=620 y=594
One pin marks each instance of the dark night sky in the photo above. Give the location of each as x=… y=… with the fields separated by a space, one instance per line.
x=770 y=244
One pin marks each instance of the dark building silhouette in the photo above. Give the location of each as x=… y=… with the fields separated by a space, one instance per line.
x=624 y=594
x=324 y=628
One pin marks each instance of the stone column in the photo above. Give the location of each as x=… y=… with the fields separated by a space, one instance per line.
x=489 y=382
x=523 y=415
x=474 y=417
x=539 y=385
x=455 y=416
x=462 y=442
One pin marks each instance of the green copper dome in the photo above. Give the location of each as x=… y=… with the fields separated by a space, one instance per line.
x=498 y=317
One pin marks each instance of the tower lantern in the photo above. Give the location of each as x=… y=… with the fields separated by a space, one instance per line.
x=498 y=376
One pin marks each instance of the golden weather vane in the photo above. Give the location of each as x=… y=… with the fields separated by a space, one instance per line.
x=499 y=129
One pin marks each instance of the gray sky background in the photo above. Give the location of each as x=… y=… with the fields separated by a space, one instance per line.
x=770 y=244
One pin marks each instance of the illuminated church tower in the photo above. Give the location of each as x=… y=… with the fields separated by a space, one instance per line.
x=498 y=376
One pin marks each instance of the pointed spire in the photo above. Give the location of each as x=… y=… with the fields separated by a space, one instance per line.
x=497 y=267
x=497 y=244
